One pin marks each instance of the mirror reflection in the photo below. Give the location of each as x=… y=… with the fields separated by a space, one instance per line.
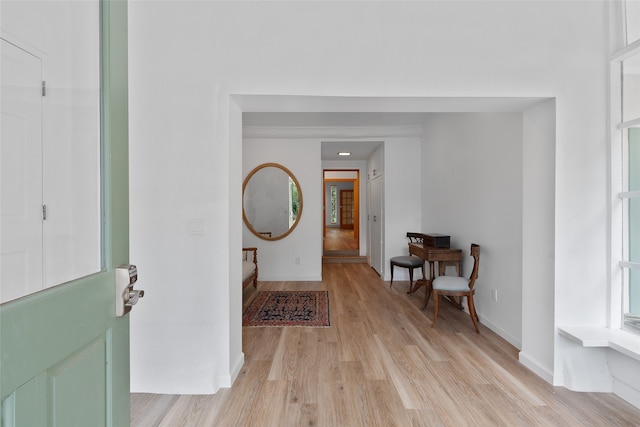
x=271 y=201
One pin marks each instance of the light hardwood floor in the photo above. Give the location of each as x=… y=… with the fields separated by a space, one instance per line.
x=381 y=364
x=337 y=239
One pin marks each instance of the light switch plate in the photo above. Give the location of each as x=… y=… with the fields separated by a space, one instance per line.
x=196 y=226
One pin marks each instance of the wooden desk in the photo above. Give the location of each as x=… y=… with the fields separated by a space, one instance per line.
x=432 y=255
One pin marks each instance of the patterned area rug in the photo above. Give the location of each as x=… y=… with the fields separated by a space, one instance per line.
x=288 y=308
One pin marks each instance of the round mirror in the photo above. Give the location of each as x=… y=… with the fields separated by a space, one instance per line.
x=271 y=201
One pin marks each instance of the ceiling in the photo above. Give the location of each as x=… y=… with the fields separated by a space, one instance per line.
x=330 y=111
x=313 y=119
x=360 y=150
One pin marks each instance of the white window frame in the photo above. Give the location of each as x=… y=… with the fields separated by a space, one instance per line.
x=620 y=265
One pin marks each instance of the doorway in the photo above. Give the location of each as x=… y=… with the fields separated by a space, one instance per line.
x=341 y=212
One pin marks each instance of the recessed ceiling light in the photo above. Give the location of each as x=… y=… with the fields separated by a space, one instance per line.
x=344 y=153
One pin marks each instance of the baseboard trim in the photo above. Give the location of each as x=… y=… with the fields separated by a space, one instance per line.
x=289 y=279
x=237 y=368
x=533 y=365
x=626 y=392
x=504 y=334
x=226 y=381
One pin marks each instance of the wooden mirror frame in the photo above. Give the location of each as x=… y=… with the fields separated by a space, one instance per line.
x=297 y=184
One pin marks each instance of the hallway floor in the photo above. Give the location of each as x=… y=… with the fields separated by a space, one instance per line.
x=381 y=364
x=337 y=239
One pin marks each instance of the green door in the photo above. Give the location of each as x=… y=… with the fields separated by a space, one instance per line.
x=64 y=355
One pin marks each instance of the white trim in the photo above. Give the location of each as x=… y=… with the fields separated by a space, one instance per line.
x=616 y=208
x=22 y=44
x=628 y=124
x=626 y=392
x=236 y=370
x=629 y=194
x=626 y=52
x=536 y=367
x=501 y=332
x=630 y=265
x=622 y=341
x=314 y=278
x=331 y=131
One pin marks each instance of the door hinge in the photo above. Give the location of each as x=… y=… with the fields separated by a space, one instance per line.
x=44 y=212
x=44 y=88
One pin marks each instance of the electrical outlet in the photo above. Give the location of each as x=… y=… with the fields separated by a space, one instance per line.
x=494 y=295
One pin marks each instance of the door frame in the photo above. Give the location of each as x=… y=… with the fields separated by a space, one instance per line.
x=356 y=200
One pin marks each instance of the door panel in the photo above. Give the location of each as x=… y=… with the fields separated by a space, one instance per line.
x=64 y=354
x=28 y=405
x=62 y=332
x=20 y=173
x=73 y=379
x=346 y=209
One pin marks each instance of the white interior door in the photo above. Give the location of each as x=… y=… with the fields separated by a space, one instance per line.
x=376 y=224
x=20 y=173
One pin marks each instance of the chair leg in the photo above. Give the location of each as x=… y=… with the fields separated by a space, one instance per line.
x=472 y=312
x=391 y=276
x=410 y=278
x=436 y=307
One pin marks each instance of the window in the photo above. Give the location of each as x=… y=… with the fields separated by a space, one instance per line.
x=334 y=204
x=294 y=202
x=50 y=183
x=625 y=113
x=632 y=300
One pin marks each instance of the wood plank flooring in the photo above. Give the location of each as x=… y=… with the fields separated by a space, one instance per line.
x=337 y=239
x=381 y=364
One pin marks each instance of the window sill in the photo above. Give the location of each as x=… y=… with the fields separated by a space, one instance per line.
x=622 y=341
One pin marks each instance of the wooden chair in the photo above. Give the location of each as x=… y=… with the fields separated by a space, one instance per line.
x=249 y=267
x=408 y=261
x=451 y=286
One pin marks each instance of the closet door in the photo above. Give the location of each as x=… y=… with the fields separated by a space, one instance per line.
x=376 y=224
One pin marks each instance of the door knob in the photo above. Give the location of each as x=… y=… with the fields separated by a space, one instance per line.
x=126 y=296
x=133 y=297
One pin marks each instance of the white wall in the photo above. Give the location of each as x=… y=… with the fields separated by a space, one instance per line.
x=472 y=191
x=277 y=260
x=402 y=211
x=538 y=231
x=186 y=60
